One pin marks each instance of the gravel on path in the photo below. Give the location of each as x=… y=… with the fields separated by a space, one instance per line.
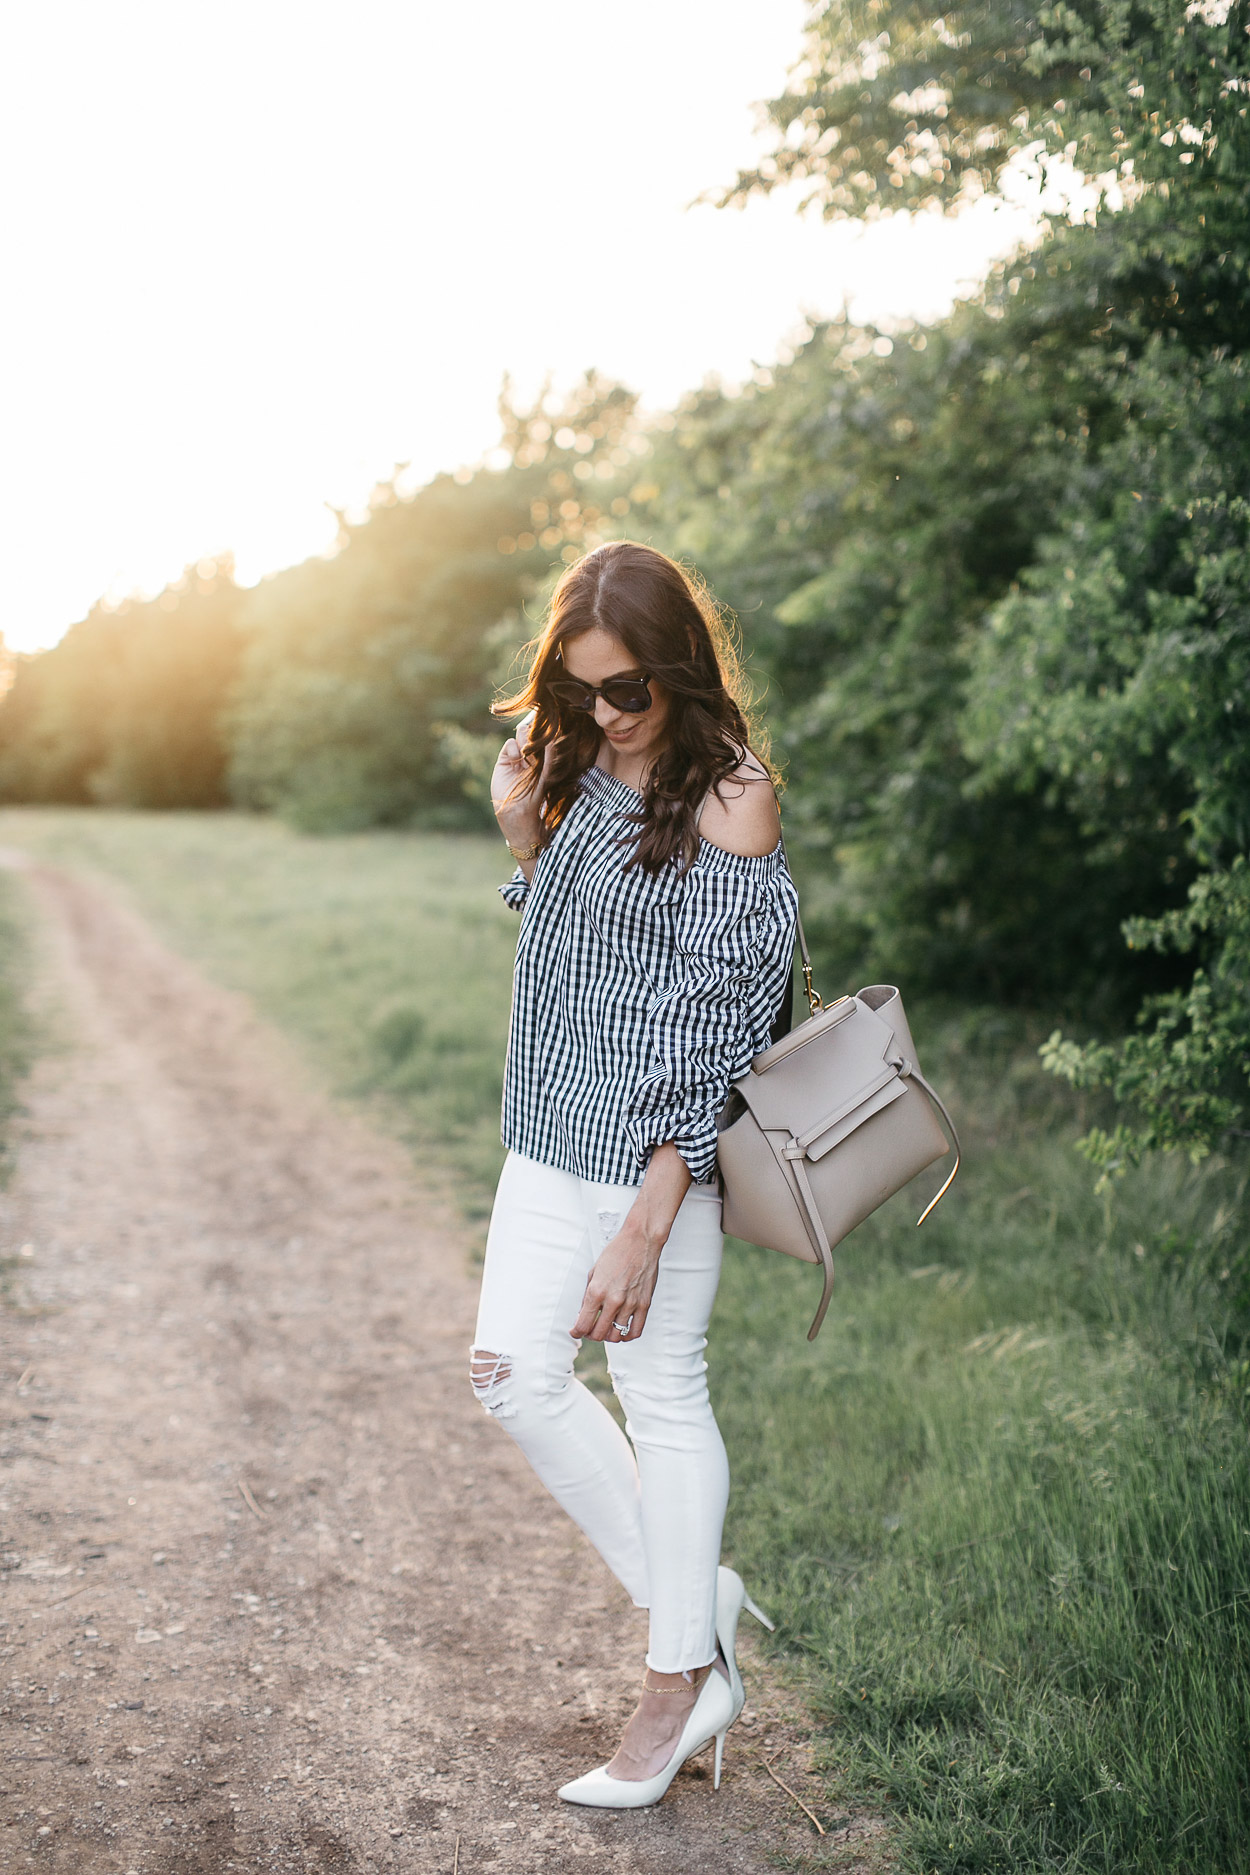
x=277 y=1595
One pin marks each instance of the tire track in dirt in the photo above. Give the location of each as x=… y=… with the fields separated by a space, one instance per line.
x=278 y=1595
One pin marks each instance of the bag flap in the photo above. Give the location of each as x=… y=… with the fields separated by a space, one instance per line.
x=852 y=1101
x=808 y=1081
x=847 y=1124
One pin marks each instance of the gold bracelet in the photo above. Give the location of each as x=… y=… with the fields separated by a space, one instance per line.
x=525 y=852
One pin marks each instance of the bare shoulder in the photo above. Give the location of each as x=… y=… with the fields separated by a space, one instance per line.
x=743 y=818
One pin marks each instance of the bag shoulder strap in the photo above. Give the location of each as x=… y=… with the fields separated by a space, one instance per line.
x=814 y=1004
x=912 y=1072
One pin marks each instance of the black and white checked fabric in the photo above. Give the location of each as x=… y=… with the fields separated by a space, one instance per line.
x=637 y=999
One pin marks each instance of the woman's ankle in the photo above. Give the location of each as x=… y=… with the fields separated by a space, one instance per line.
x=690 y=1679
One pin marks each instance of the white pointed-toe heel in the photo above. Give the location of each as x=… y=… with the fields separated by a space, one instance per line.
x=710 y=1717
x=731 y=1599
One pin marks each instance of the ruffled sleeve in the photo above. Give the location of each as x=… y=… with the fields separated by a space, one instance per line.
x=734 y=942
x=513 y=893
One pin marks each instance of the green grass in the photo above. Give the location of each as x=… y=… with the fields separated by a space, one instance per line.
x=1003 y=1510
x=16 y=1039
x=15 y=1027
x=1001 y=1507
x=386 y=955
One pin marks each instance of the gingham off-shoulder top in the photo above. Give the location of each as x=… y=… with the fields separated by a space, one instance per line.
x=637 y=998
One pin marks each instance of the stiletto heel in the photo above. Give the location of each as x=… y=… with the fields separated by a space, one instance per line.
x=731 y=1599
x=759 y=1614
x=718 y=1706
x=710 y=1717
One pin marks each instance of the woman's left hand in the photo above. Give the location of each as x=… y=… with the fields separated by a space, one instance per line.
x=620 y=1289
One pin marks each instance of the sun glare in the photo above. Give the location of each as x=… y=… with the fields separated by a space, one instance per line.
x=262 y=265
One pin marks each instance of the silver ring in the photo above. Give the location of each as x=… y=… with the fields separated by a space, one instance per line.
x=624 y=1327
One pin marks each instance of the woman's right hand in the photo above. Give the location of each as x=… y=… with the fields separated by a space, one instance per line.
x=519 y=819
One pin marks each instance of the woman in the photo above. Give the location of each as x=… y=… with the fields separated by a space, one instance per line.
x=654 y=954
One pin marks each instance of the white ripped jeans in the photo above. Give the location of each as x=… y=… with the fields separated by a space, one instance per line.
x=652 y=1504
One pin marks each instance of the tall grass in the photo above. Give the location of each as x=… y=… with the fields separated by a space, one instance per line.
x=1003 y=1510
x=1001 y=1507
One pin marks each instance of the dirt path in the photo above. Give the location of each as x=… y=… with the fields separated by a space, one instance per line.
x=278 y=1596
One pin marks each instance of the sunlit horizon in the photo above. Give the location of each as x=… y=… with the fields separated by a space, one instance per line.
x=262 y=267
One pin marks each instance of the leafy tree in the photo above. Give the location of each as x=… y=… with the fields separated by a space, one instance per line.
x=1104 y=688
x=893 y=106
x=863 y=511
x=127 y=707
x=352 y=661
x=1182 y=1079
x=1123 y=659
x=368 y=675
x=1119 y=674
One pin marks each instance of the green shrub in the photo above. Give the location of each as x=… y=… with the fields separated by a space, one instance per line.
x=127 y=708
x=1182 y=1078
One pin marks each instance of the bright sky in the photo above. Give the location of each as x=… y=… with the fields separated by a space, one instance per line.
x=259 y=251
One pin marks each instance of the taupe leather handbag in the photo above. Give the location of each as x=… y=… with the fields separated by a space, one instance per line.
x=827 y=1124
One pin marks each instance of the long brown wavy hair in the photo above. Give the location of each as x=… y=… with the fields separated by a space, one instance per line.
x=673 y=629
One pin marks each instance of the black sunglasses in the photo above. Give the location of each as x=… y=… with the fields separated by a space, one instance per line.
x=629 y=694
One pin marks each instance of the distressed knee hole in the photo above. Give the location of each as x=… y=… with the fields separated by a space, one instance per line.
x=490 y=1374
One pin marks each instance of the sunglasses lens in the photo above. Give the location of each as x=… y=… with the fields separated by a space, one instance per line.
x=574 y=696
x=630 y=695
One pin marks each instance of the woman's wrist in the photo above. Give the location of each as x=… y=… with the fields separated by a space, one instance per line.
x=523 y=832
x=664 y=1185
x=647 y=1236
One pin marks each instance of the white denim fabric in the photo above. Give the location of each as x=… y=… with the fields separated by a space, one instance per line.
x=653 y=1504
